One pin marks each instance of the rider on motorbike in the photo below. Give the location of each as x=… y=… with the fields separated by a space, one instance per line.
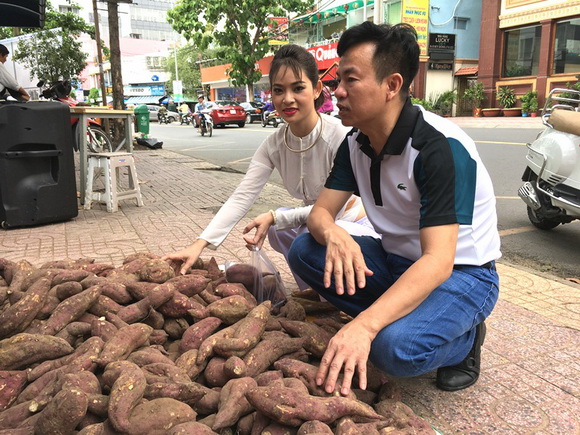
x=184 y=112
x=267 y=109
x=162 y=114
x=199 y=115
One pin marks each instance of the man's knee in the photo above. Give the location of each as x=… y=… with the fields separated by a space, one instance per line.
x=398 y=355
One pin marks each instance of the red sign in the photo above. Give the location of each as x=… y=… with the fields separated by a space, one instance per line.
x=325 y=55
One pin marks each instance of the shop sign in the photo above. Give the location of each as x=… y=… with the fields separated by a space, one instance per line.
x=440 y=66
x=325 y=55
x=416 y=13
x=441 y=42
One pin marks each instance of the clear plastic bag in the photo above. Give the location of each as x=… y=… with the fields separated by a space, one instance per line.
x=268 y=284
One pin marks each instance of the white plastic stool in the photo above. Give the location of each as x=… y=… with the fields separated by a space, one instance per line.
x=110 y=164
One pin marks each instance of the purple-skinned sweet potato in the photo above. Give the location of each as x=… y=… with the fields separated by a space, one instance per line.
x=314 y=427
x=156 y=270
x=214 y=372
x=164 y=372
x=197 y=333
x=188 y=363
x=11 y=384
x=187 y=392
x=158 y=416
x=24 y=349
x=134 y=312
x=125 y=341
x=180 y=305
x=16 y=318
x=127 y=391
x=291 y=407
x=189 y=428
x=189 y=285
x=63 y=413
x=315 y=338
x=267 y=352
x=233 y=403
x=230 y=309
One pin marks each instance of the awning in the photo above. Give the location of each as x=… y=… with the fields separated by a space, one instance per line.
x=332 y=9
x=143 y=100
x=467 y=71
x=330 y=73
x=22 y=13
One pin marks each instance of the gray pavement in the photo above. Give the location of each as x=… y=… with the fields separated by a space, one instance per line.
x=530 y=381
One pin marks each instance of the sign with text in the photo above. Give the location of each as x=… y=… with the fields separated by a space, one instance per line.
x=325 y=55
x=416 y=13
x=441 y=42
x=277 y=31
x=440 y=66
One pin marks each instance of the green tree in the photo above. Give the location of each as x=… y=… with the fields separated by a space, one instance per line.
x=53 y=52
x=236 y=28
x=187 y=69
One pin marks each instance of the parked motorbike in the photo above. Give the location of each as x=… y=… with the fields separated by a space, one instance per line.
x=551 y=188
x=185 y=118
x=205 y=123
x=98 y=140
x=271 y=118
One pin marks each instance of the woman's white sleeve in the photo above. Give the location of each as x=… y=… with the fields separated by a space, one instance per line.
x=238 y=204
x=292 y=218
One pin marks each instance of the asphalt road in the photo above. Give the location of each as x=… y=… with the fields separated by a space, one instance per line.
x=502 y=151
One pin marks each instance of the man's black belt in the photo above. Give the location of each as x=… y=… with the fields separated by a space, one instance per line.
x=488 y=265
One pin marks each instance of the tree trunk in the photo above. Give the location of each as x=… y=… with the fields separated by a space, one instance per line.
x=116 y=75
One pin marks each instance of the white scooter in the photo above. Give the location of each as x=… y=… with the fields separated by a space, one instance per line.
x=552 y=176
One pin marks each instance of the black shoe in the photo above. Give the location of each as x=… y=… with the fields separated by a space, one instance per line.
x=466 y=373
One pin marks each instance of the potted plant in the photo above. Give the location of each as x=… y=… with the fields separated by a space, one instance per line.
x=475 y=94
x=507 y=100
x=529 y=103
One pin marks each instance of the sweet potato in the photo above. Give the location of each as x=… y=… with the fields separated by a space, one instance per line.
x=213 y=269
x=16 y=414
x=63 y=413
x=230 y=309
x=11 y=384
x=248 y=332
x=98 y=404
x=125 y=341
x=233 y=403
x=76 y=275
x=179 y=305
x=230 y=289
x=115 y=290
x=139 y=256
x=293 y=408
x=99 y=269
x=48 y=307
x=208 y=404
x=158 y=416
x=24 y=349
x=214 y=372
x=402 y=417
x=104 y=428
x=245 y=423
x=156 y=270
x=175 y=327
x=188 y=363
x=316 y=338
x=139 y=289
x=314 y=427
x=68 y=264
x=235 y=367
x=69 y=310
x=292 y=310
x=164 y=372
x=314 y=306
x=16 y=318
x=265 y=378
x=103 y=329
x=189 y=428
x=21 y=270
x=67 y=289
x=187 y=392
x=135 y=312
x=189 y=285
x=267 y=352
x=41 y=388
x=307 y=374
x=154 y=319
x=148 y=355
x=194 y=335
x=73 y=331
x=278 y=429
x=158 y=336
x=206 y=347
x=243 y=273
x=126 y=392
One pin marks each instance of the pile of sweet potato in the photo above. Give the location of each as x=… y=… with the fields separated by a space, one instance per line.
x=92 y=348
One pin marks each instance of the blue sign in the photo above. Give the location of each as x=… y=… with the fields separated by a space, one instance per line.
x=155 y=78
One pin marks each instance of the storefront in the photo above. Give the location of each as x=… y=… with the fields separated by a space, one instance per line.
x=536 y=46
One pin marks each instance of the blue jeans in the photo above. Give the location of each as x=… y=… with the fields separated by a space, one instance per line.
x=438 y=333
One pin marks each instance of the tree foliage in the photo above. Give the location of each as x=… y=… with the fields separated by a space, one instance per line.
x=237 y=29
x=187 y=68
x=53 y=52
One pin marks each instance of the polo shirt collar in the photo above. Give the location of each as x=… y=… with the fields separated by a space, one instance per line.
x=398 y=138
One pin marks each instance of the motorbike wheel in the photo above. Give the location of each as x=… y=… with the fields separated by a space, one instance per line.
x=170 y=119
x=274 y=123
x=209 y=130
x=98 y=141
x=264 y=123
x=203 y=130
x=541 y=223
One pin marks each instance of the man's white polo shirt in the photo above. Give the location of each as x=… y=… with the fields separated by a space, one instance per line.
x=428 y=173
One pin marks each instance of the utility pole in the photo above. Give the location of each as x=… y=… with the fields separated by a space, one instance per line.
x=100 y=55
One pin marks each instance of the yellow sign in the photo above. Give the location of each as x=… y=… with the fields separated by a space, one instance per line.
x=416 y=13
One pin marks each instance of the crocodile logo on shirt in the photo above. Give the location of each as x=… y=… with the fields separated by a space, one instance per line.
x=401 y=186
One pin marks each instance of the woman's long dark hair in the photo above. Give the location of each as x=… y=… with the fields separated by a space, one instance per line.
x=300 y=62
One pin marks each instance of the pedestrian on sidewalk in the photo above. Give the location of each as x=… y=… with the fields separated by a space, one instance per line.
x=419 y=295
x=302 y=152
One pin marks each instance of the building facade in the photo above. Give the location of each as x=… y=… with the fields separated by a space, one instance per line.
x=529 y=45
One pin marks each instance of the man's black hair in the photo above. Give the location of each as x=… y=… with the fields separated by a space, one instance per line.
x=397 y=50
x=3 y=50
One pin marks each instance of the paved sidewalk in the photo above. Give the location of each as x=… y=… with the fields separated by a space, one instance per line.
x=530 y=380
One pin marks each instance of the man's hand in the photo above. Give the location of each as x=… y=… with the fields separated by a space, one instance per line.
x=187 y=256
x=262 y=223
x=349 y=348
x=344 y=260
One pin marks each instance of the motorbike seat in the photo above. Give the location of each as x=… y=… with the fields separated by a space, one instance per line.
x=567 y=121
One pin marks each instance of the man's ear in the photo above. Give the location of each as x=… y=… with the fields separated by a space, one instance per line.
x=394 y=84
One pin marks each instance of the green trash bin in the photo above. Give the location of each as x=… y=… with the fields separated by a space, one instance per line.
x=142 y=118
